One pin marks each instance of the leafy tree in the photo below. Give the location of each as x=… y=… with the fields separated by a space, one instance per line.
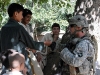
x=50 y=11
x=45 y=12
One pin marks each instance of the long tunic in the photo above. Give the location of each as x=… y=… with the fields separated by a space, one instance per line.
x=14 y=36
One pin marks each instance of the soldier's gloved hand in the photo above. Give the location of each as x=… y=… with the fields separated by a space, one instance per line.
x=68 y=45
x=52 y=46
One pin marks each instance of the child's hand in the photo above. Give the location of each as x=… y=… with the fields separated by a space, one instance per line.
x=29 y=49
x=48 y=43
x=39 y=56
x=24 y=71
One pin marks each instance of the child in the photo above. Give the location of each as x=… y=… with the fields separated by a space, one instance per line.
x=16 y=64
x=14 y=36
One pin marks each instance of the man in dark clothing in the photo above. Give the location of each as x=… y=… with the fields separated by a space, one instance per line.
x=14 y=36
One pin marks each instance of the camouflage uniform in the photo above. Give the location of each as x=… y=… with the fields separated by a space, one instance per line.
x=64 y=68
x=79 y=56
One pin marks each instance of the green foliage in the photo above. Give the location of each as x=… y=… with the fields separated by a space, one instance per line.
x=3 y=6
x=45 y=12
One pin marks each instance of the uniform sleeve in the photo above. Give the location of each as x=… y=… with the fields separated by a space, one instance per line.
x=78 y=56
x=28 y=40
x=57 y=45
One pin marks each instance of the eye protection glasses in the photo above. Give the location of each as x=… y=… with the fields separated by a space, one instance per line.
x=72 y=25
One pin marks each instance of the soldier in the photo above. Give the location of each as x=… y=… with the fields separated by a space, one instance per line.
x=79 y=53
x=64 y=68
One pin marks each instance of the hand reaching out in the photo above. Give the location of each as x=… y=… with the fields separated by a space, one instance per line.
x=29 y=49
x=24 y=71
x=39 y=56
x=48 y=43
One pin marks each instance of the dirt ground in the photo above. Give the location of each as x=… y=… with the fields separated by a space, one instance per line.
x=97 y=70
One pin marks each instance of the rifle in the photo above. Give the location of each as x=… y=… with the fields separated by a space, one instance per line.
x=67 y=42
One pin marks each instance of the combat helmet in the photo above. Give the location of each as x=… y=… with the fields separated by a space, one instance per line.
x=78 y=20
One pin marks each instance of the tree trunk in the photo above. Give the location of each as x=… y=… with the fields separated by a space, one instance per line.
x=91 y=10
